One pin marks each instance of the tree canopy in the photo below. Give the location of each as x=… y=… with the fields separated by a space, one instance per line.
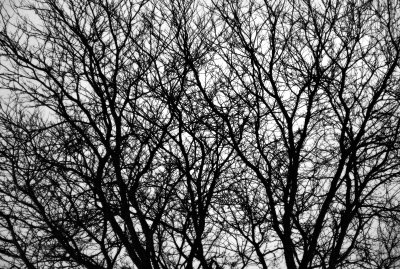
x=200 y=134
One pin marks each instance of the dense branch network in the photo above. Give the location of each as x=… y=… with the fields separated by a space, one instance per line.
x=200 y=134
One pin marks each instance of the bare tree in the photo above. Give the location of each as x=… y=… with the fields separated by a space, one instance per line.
x=200 y=134
x=92 y=66
x=311 y=107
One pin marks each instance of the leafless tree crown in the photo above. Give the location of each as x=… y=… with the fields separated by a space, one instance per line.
x=163 y=134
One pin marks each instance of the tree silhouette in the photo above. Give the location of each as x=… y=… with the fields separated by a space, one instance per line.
x=200 y=134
